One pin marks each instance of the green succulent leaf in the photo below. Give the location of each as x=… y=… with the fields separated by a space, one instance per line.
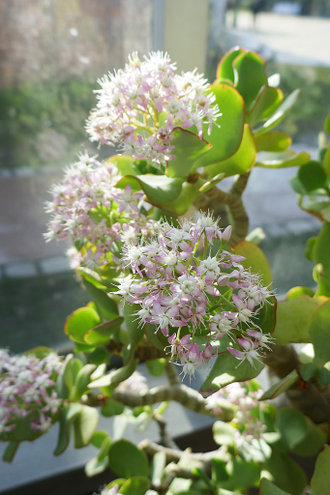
x=84 y=426
x=127 y=460
x=282 y=111
x=105 y=305
x=320 y=334
x=250 y=76
x=227 y=132
x=101 y=333
x=298 y=291
x=112 y=408
x=187 y=196
x=284 y=472
x=226 y=370
x=312 y=176
x=225 y=68
x=294 y=317
x=159 y=189
x=242 y=161
x=273 y=141
x=157 y=468
x=124 y=164
x=283 y=159
x=188 y=148
x=137 y=485
x=10 y=451
x=254 y=259
x=267 y=102
x=223 y=433
x=321 y=478
x=327 y=124
x=116 y=376
x=321 y=253
x=81 y=382
x=68 y=415
x=268 y=488
x=80 y=322
x=281 y=386
x=157 y=366
x=134 y=329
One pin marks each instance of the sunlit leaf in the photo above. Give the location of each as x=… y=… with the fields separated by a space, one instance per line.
x=267 y=102
x=283 y=110
x=273 y=141
x=242 y=161
x=188 y=148
x=282 y=159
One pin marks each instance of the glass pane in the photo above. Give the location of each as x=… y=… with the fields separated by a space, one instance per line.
x=52 y=52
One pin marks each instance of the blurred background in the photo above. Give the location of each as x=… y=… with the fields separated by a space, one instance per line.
x=51 y=54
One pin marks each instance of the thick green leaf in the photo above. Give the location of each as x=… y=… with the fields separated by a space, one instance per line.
x=242 y=474
x=95 y=466
x=226 y=370
x=188 y=147
x=101 y=334
x=267 y=102
x=242 y=161
x=321 y=252
x=298 y=291
x=39 y=352
x=138 y=485
x=10 y=451
x=157 y=366
x=254 y=259
x=223 y=433
x=84 y=426
x=283 y=159
x=280 y=113
x=98 y=438
x=185 y=199
x=219 y=471
x=326 y=161
x=81 y=382
x=268 y=488
x=111 y=408
x=321 y=478
x=250 y=76
x=292 y=425
x=273 y=141
x=133 y=326
x=157 y=468
x=225 y=68
x=116 y=376
x=105 y=305
x=226 y=138
x=211 y=183
x=320 y=334
x=327 y=124
x=280 y=386
x=80 y=322
x=313 y=441
x=285 y=473
x=312 y=176
x=124 y=164
x=293 y=319
x=68 y=415
x=159 y=189
x=127 y=460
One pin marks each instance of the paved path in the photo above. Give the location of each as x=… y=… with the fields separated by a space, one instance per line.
x=290 y=39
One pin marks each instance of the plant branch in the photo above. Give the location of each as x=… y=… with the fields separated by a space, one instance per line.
x=233 y=199
x=310 y=398
x=182 y=394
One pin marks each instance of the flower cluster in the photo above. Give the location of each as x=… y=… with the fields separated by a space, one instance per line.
x=27 y=389
x=92 y=213
x=185 y=279
x=247 y=422
x=136 y=383
x=138 y=107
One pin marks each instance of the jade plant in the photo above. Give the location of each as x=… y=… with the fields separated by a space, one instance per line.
x=178 y=288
